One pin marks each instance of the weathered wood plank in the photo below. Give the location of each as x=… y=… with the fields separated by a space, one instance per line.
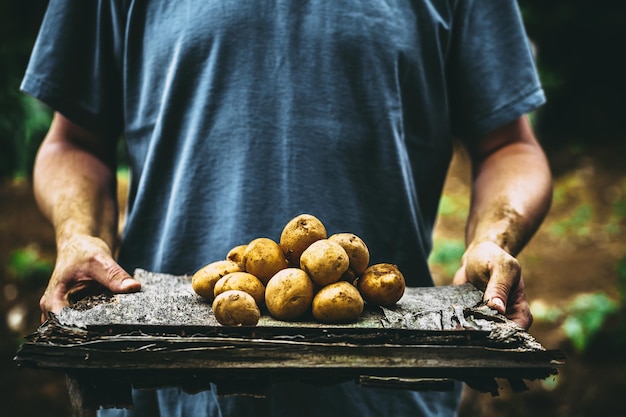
x=169 y=300
x=157 y=353
x=167 y=335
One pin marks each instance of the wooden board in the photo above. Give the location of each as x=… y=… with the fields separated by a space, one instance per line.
x=167 y=335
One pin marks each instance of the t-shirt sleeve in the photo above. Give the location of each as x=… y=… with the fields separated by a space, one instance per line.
x=74 y=66
x=492 y=75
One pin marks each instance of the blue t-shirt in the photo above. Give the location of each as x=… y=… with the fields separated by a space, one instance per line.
x=239 y=115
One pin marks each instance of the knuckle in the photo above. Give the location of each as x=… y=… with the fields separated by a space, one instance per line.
x=500 y=287
x=513 y=264
x=115 y=273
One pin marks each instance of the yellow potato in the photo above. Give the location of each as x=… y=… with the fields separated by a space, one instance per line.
x=288 y=294
x=236 y=254
x=339 y=302
x=298 y=234
x=349 y=276
x=263 y=258
x=242 y=281
x=357 y=251
x=324 y=261
x=236 y=308
x=382 y=284
x=203 y=281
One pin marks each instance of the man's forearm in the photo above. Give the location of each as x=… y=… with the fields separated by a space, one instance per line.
x=511 y=191
x=74 y=188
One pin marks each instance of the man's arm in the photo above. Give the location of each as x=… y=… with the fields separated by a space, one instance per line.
x=511 y=194
x=75 y=187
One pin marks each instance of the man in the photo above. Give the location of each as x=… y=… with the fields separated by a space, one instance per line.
x=237 y=116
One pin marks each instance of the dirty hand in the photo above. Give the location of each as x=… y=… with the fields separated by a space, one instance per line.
x=493 y=270
x=83 y=262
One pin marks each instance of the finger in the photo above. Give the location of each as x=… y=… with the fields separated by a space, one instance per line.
x=505 y=276
x=52 y=301
x=518 y=308
x=520 y=314
x=460 y=276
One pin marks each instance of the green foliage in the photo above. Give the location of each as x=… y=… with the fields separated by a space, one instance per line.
x=577 y=224
x=26 y=263
x=585 y=316
x=453 y=206
x=582 y=318
x=23 y=120
x=545 y=313
x=447 y=255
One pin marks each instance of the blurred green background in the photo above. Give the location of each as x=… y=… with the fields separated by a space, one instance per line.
x=575 y=267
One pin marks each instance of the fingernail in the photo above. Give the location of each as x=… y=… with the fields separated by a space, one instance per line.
x=126 y=284
x=498 y=303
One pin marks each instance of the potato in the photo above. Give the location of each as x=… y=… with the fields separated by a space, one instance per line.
x=236 y=308
x=242 y=281
x=382 y=284
x=349 y=276
x=298 y=234
x=288 y=294
x=357 y=251
x=339 y=302
x=203 y=281
x=236 y=254
x=263 y=258
x=324 y=261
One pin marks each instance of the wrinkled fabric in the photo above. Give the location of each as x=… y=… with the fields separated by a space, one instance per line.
x=292 y=399
x=238 y=116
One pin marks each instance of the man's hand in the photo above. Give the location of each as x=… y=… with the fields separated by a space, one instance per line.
x=83 y=262
x=511 y=194
x=499 y=275
x=75 y=187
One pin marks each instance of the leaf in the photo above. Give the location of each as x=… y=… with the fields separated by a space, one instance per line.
x=585 y=316
x=27 y=262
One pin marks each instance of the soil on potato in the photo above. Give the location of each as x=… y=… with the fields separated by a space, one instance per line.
x=576 y=251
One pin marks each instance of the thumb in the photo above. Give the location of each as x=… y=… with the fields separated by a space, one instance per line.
x=115 y=278
x=505 y=276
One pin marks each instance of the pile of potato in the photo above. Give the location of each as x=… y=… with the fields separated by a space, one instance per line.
x=305 y=271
